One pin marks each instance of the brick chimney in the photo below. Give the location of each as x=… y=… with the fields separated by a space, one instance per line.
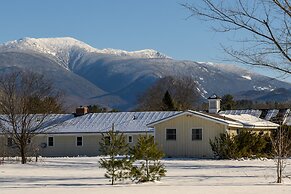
x=214 y=104
x=82 y=110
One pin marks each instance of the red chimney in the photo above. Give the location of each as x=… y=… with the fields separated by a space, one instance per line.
x=82 y=110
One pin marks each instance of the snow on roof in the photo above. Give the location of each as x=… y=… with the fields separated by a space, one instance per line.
x=41 y=123
x=239 y=120
x=102 y=122
x=255 y=113
x=279 y=116
x=214 y=118
x=250 y=121
x=136 y=122
x=217 y=118
x=214 y=96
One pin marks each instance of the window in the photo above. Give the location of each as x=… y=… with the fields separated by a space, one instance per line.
x=170 y=134
x=28 y=140
x=79 y=141
x=50 y=141
x=196 y=134
x=130 y=139
x=9 y=141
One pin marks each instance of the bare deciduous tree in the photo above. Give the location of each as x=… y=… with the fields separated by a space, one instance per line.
x=267 y=23
x=281 y=148
x=183 y=91
x=26 y=101
x=2 y=151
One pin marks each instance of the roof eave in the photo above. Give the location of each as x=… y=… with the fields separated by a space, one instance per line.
x=235 y=125
x=260 y=127
x=198 y=114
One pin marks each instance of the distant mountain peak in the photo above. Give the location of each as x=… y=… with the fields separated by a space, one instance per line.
x=51 y=46
x=63 y=46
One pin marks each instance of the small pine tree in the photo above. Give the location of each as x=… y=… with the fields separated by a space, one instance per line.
x=168 y=103
x=117 y=164
x=147 y=152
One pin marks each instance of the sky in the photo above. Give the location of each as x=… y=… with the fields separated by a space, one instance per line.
x=163 y=25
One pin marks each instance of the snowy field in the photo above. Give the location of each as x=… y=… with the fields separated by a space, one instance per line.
x=83 y=176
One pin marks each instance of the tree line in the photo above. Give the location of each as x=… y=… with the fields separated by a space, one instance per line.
x=170 y=93
x=173 y=93
x=228 y=102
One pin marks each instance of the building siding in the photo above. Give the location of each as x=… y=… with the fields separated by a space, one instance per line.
x=233 y=131
x=183 y=146
x=64 y=145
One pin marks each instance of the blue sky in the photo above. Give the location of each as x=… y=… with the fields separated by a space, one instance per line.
x=127 y=24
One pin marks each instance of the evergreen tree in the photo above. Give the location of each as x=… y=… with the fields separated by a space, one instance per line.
x=147 y=152
x=244 y=144
x=223 y=146
x=116 y=163
x=168 y=103
x=96 y=109
x=227 y=102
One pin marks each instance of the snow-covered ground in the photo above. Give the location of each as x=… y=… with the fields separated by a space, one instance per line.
x=83 y=176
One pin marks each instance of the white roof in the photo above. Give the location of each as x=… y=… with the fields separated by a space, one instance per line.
x=226 y=122
x=255 y=113
x=250 y=121
x=137 y=122
x=217 y=119
x=39 y=121
x=102 y=122
x=240 y=120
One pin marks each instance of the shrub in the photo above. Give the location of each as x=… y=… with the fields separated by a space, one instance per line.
x=246 y=144
x=223 y=146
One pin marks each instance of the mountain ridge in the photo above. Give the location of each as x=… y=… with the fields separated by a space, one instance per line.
x=115 y=78
x=62 y=47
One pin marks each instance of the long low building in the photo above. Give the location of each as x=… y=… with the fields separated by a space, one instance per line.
x=178 y=133
x=80 y=135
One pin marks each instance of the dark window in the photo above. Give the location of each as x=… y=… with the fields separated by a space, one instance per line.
x=196 y=134
x=50 y=141
x=9 y=141
x=28 y=141
x=171 y=134
x=79 y=141
x=129 y=139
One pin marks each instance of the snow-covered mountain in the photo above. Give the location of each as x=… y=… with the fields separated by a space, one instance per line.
x=116 y=77
x=62 y=49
